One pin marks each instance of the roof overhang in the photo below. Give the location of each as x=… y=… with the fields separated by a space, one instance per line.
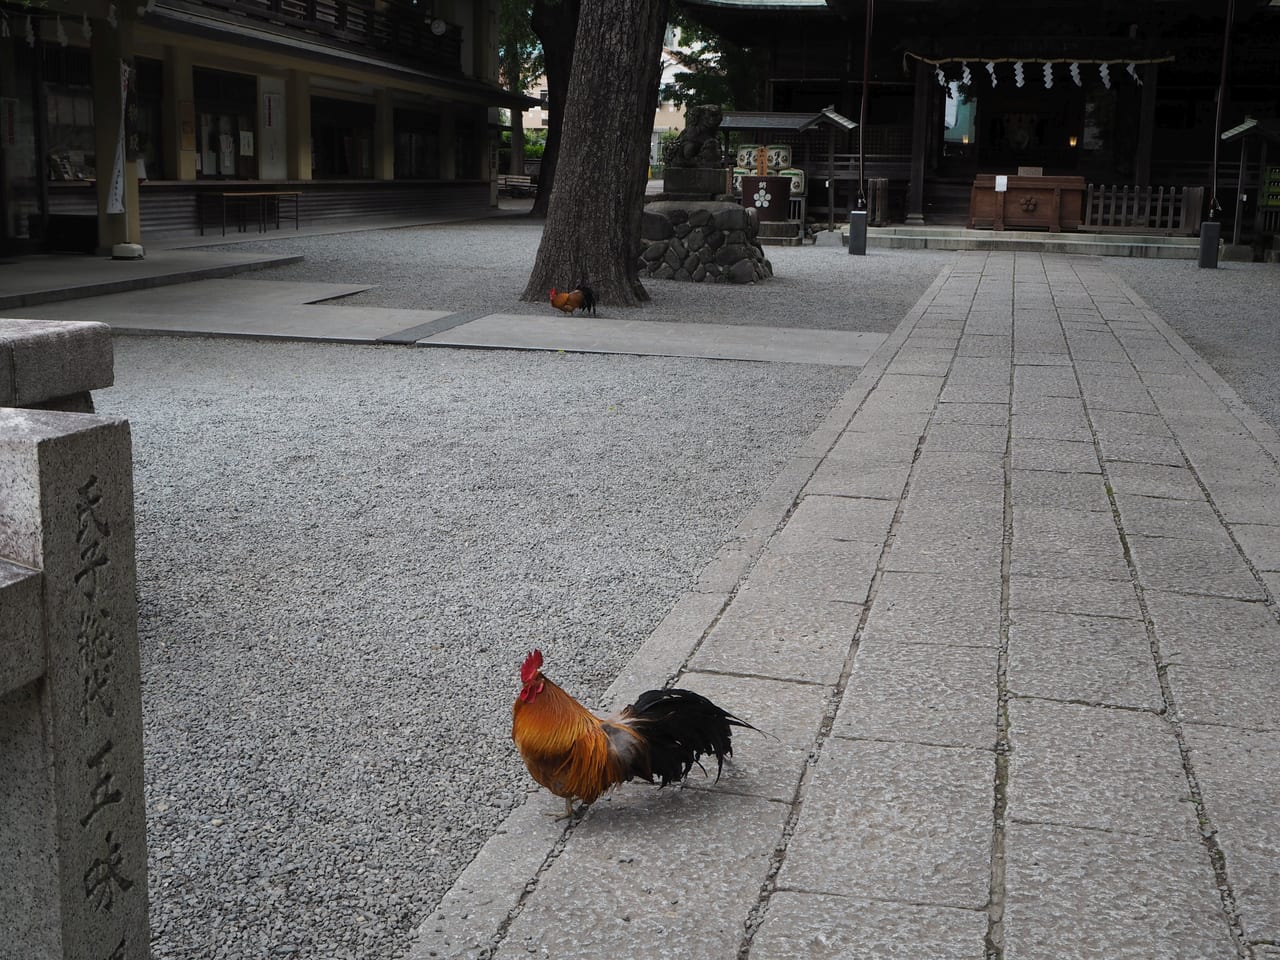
x=213 y=27
x=785 y=122
x=1266 y=129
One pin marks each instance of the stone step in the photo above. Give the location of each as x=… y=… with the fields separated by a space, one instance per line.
x=1079 y=243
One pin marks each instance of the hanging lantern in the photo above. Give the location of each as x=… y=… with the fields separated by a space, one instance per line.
x=1017 y=74
x=991 y=69
x=965 y=76
x=1048 y=75
x=1104 y=71
x=1133 y=72
x=1074 y=70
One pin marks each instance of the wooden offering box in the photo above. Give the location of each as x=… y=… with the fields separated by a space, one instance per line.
x=1029 y=203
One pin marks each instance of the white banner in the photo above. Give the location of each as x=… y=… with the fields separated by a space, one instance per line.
x=115 y=198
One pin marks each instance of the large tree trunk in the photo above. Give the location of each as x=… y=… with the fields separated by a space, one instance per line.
x=592 y=234
x=555 y=24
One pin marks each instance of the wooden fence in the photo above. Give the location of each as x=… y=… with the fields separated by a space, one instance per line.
x=1175 y=211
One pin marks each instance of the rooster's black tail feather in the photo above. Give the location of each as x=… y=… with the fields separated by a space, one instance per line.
x=680 y=726
x=588 y=299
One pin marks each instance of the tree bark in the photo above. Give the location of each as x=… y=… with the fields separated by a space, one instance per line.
x=592 y=233
x=555 y=24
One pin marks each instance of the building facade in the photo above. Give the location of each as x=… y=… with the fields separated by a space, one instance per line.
x=1118 y=94
x=119 y=122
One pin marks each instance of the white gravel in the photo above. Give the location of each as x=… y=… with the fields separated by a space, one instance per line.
x=344 y=553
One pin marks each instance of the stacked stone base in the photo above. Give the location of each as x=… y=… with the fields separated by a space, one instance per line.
x=702 y=242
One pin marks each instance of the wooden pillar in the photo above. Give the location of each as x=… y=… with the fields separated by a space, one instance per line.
x=178 y=124
x=298 y=124
x=1146 y=126
x=919 y=136
x=384 y=137
x=448 y=143
x=108 y=49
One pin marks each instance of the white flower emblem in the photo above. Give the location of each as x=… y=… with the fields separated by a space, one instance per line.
x=762 y=198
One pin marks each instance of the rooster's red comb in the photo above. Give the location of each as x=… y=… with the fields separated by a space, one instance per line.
x=532 y=664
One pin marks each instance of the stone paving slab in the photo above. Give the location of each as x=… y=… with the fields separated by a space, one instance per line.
x=921 y=693
x=652 y=338
x=769 y=760
x=935 y=609
x=1160 y=517
x=1236 y=771
x=1234 y=696
x=826 y=519
x=808 y=926
x=1099 y=768
x=1078 y=894
x=770 y=633
x=1088 y=595
x=895 y=821
x=1097 y=660
x=1215 y=631
x=1194 y=566
x=616 y=891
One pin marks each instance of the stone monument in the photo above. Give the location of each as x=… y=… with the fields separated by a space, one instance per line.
x=72 y=818
x=695 y=168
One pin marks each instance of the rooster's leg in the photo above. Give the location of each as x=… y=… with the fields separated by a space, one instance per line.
x=568 y=810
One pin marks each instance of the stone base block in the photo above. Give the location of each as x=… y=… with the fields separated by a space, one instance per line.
x=43 y=362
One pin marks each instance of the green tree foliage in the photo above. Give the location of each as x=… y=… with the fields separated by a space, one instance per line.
x=520 y=64
x=714 y=70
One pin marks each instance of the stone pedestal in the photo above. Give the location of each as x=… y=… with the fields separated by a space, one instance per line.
x=71 y=790
x=706 y=242
x=694 y=183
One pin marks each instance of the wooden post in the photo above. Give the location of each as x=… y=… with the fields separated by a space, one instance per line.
x=919 y=134
x=1239 y=215
x=1146 y=126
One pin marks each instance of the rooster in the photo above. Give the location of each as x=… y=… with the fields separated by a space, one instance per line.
x=581 y=298
x=578 y=755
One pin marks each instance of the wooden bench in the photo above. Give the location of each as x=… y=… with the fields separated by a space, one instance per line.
x=265 y=204
x=515 y=185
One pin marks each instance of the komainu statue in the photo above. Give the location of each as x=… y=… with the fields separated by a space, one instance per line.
x=698 y=144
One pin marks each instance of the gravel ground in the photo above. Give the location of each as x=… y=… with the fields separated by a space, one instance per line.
x=344 y=553
x=484 y=267
x=1230 y=316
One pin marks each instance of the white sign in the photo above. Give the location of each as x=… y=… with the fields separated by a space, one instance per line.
x=1002 y=183
x=115 y=195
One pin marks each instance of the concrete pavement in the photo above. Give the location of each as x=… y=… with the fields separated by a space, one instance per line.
x=1010 y=621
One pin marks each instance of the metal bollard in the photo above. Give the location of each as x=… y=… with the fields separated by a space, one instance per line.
x=1210 y=234
x=858 y=232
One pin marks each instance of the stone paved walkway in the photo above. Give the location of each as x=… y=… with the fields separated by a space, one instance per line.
x=1010 y=621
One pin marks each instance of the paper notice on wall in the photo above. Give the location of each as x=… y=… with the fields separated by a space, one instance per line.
x=1002 y=183
x=226 y=153
x=246 y=143
x=271 y=110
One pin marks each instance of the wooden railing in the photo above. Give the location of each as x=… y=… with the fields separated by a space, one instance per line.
x=1175 y=211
